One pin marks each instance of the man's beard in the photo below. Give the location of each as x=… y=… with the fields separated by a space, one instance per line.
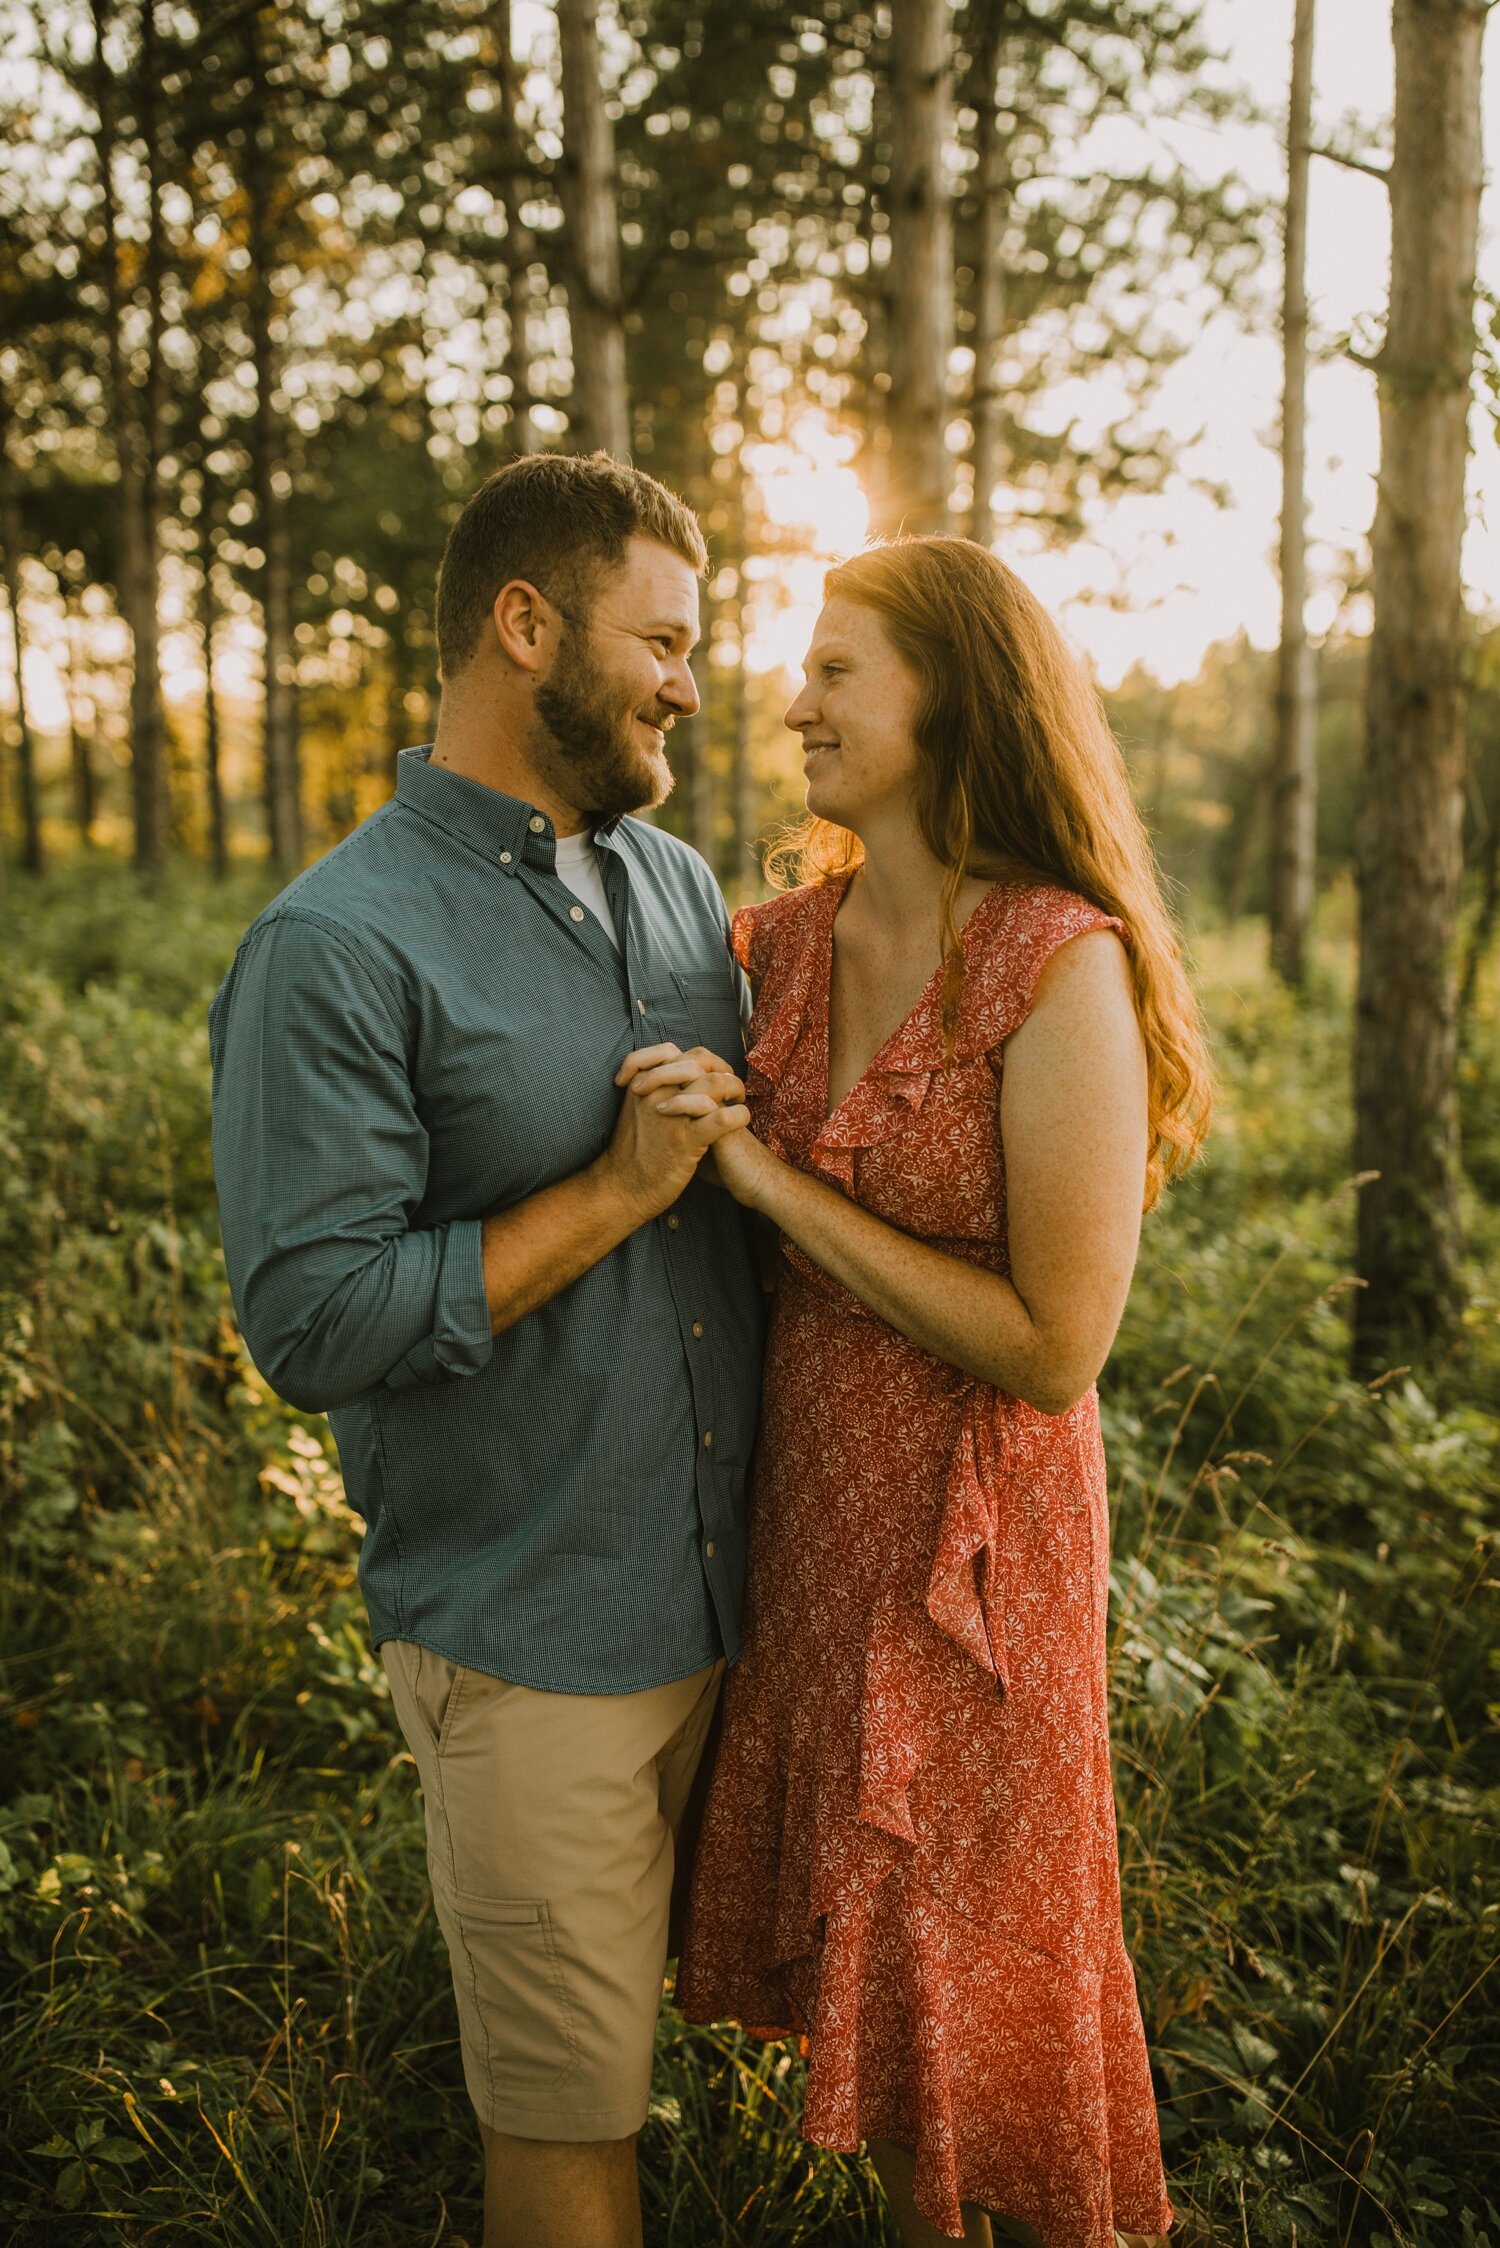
x=585 y=746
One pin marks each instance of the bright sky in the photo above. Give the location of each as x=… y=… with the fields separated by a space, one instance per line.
x=1159 y=579
x=1195 y=573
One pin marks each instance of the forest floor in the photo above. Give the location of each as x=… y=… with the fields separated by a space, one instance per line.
x=226 y=2013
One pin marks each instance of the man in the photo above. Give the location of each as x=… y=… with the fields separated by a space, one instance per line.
x=533 y=1326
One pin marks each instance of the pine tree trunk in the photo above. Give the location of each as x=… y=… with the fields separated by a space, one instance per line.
x=1482 y=935
x=702 y=806
x=80 y=744
x=283 y=790
x=149 y=758
x=213 y=773
x=920 y=274
x=598 y=412
x=1294 y=771
x=993 y=185
x=1409 y=841
x=519 y=252
x=134 y=415
x=747 y=819
x=33 y=856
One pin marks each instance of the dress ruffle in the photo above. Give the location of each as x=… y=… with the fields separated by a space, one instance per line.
x=893 y=1864
x=786 y=945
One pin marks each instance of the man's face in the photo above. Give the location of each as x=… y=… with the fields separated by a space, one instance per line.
x=619 y=680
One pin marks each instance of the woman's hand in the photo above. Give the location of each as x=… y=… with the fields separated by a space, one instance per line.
x=744 y=1166
x=696 y=1083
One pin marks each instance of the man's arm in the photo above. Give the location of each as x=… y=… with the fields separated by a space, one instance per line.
x=321 y=1160
x=538 y=1247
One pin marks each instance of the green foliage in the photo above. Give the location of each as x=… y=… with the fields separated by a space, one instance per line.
x=225 y=2002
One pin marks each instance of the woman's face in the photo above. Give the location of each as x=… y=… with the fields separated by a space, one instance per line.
x=857 y=718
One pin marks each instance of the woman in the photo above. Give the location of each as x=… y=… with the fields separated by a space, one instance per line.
x=974 y=1059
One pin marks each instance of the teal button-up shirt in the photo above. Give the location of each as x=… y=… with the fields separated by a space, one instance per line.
x=425 y=1027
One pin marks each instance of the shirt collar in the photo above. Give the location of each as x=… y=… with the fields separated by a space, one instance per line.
x=501 y=827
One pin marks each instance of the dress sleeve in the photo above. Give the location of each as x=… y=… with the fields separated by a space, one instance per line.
x=748 y=937
x=1002 y=986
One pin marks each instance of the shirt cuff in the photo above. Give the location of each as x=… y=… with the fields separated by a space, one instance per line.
x=461 y=1341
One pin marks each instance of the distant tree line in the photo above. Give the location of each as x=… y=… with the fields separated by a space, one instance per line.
x=280 y=283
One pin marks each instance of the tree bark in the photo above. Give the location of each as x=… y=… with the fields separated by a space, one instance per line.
x=747 y=820
x=135 y=416
x=213 y=768
x=598 y=413
x=702 y=792
x=920 y=275
x=33 y=856
x=519 y=253
x=1409 y=841
x=1294 y=771
x=1482 y=935
x=80 y=744
x=990 y=277
x=283 y=784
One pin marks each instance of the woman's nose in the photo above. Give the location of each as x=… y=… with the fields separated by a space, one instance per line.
x=801 y=712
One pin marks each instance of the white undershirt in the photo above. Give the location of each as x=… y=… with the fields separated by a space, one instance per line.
x=578 y=866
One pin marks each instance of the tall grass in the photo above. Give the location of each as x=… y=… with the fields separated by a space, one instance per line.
x=226 y=2007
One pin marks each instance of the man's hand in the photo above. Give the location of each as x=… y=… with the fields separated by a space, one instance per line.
x=698 y=1083
x=658 y=1144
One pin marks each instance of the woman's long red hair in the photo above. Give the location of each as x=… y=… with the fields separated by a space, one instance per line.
x=1020 y=775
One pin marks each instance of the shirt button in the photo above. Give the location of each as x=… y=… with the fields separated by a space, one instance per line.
x=673 y=1222
x=708 y=1550
x=642 y=1005
x=536 y=823
x=575 y=913
x=708 y=1436
x=698 y=1329
x=505 y=858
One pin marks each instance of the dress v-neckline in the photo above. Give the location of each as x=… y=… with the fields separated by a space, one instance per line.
x=840 y=887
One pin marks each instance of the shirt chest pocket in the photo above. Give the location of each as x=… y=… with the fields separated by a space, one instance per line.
x=700 y=1009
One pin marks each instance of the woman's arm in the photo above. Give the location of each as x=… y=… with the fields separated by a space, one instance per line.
x=1073 y=1125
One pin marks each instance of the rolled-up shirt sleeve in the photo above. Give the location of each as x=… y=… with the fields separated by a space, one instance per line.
x=321 y=1158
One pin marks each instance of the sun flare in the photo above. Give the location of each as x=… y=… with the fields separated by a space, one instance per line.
x=815 y=510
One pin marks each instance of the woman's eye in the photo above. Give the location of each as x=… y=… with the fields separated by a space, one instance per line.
x=832 y=670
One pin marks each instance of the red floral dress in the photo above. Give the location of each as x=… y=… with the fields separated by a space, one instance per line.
x=908 y=1852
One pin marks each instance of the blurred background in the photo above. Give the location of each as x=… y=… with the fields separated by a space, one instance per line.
x=281 y=285
x=1189 y=311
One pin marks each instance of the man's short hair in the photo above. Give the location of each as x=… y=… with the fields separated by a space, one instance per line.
x=562 y=521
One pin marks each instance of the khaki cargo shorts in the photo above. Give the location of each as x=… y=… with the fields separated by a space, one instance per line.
x=551 y=1825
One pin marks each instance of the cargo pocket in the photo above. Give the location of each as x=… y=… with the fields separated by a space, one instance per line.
x=519 y=2036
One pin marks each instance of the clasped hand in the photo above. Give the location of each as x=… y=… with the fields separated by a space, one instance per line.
x=682 y=1106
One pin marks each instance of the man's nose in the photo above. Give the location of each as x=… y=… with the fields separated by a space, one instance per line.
x=680 y=689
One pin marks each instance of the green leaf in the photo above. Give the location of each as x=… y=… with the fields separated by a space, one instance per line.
x=59 y=2149
x=73 y=2184
x=1254 y=2052
x=262 y=1888
x=117 y=2150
